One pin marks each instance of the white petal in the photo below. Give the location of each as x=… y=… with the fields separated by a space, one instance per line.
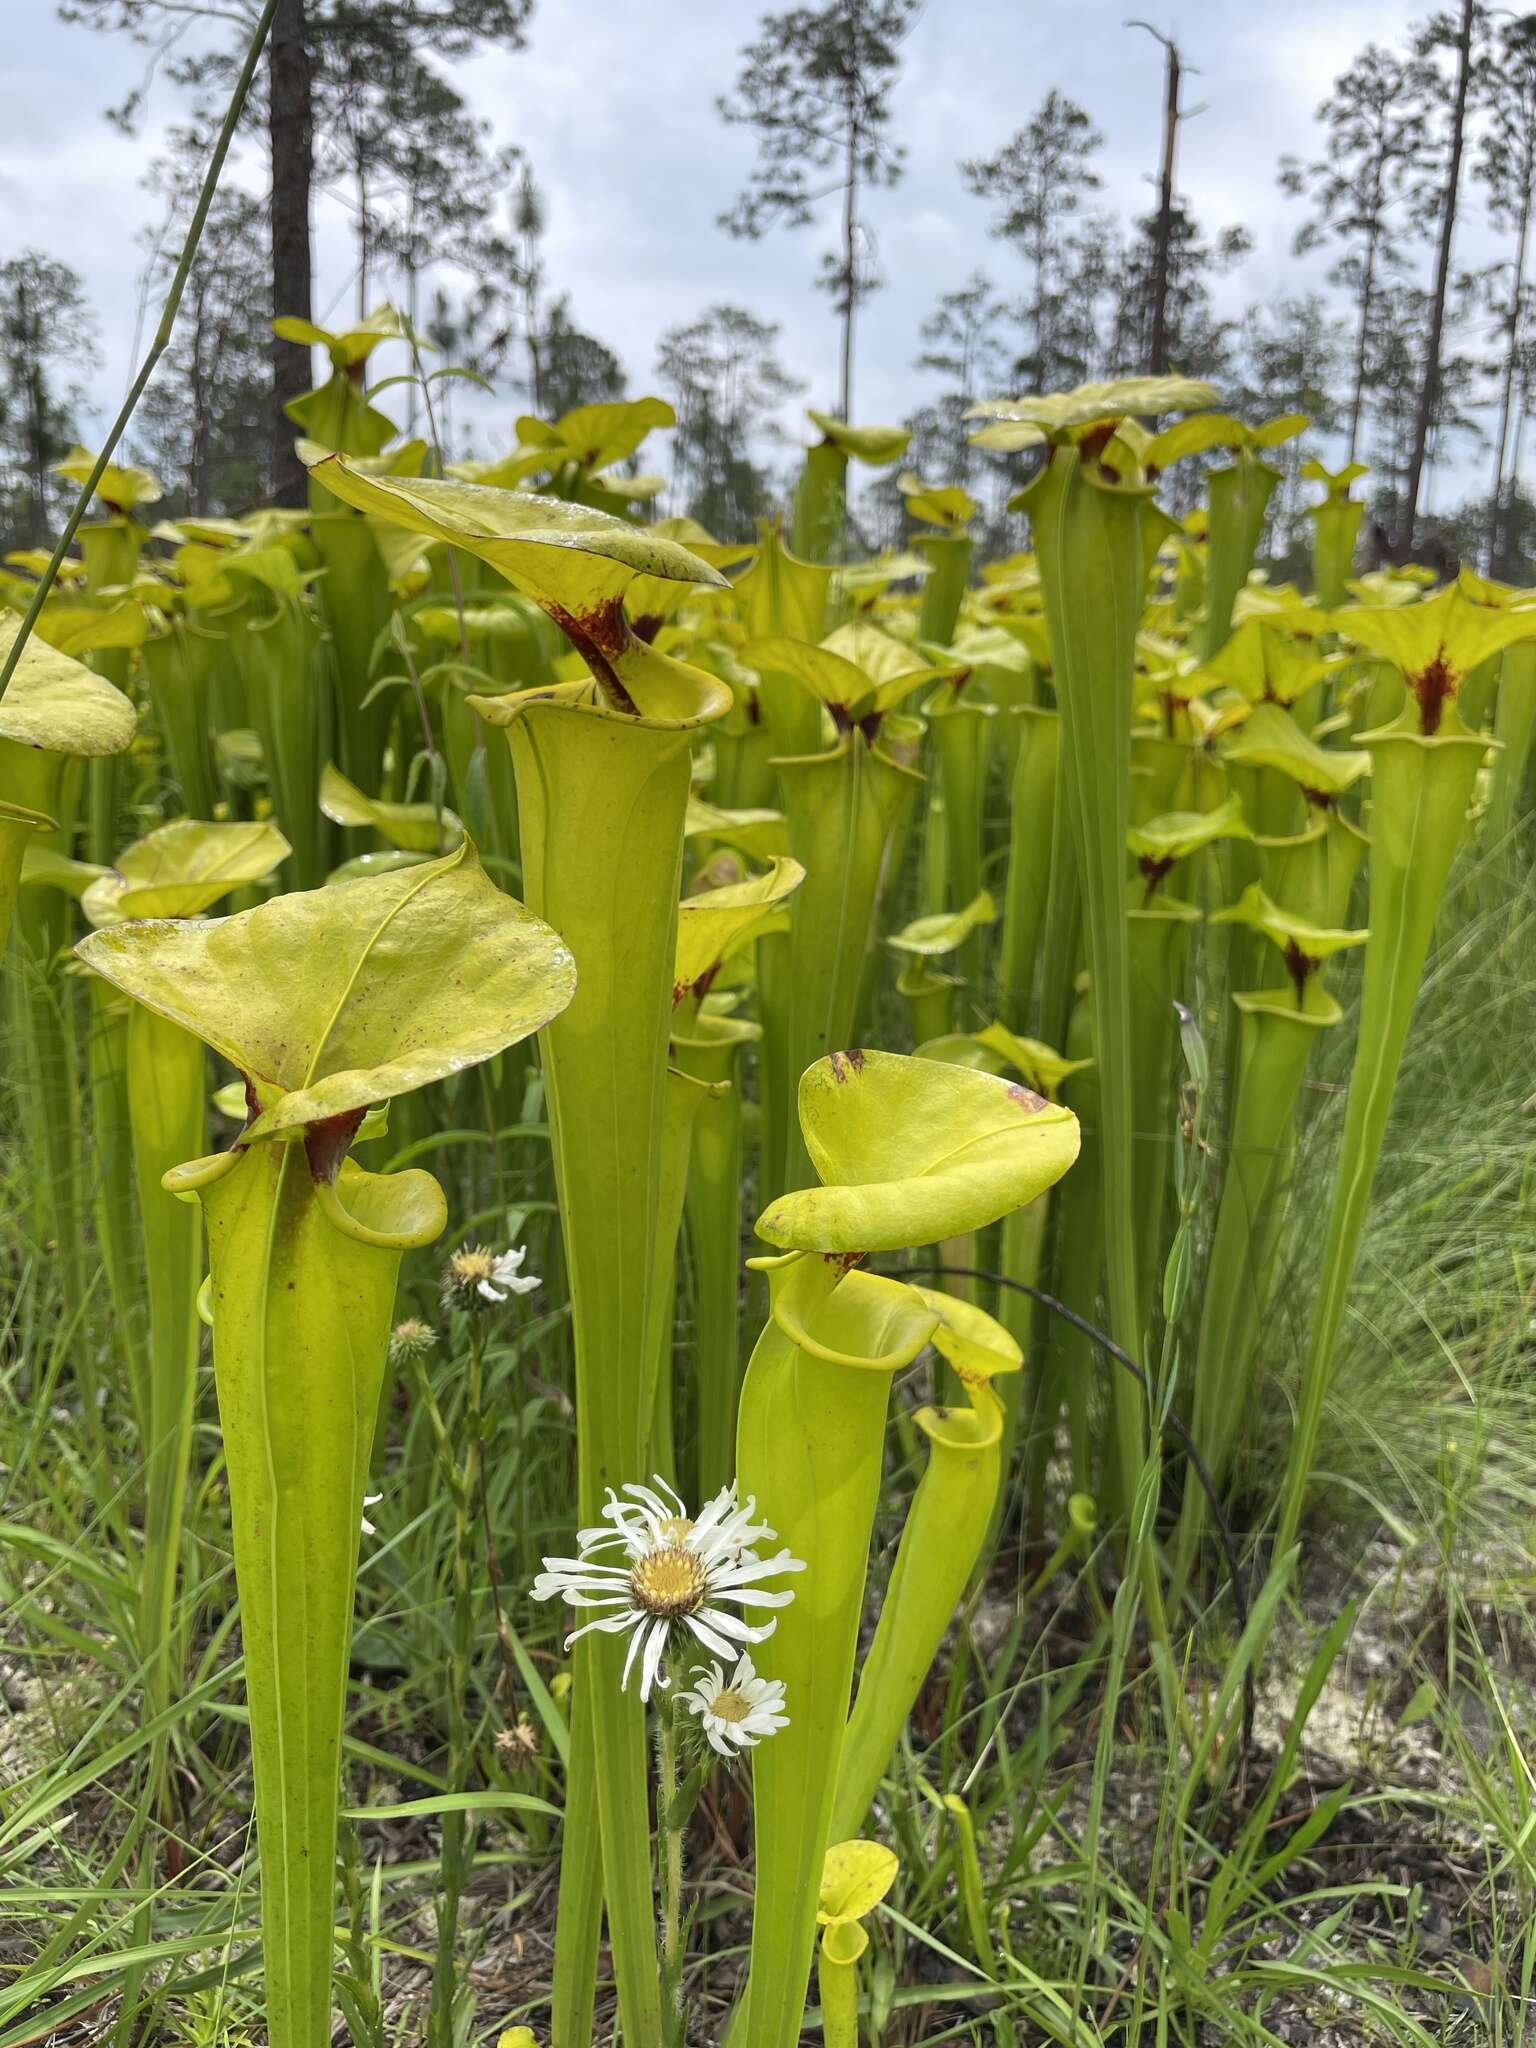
x=629 y=1662
x=654 y=1650
x=607 y=1624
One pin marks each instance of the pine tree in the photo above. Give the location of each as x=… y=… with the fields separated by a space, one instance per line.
x=201 y=424
x=725 y=380
x=1039 y=181
x=1505 y=166
x=47 y=331
x=320 y=53
x=816 y=87
x=1359 y=188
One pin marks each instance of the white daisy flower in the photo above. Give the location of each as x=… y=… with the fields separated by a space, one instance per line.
x=736 y=1713
x=507 y=1277
x=674 y=1571
x=370 y=1500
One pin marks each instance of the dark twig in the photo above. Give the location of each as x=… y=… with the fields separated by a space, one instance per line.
x=1123 y=1359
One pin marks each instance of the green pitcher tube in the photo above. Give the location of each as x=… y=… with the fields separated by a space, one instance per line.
x=303 y=1289
x=329 y=1003
x=1335 y=530
x=167 y=1108
x=1031 y=833
x=356 y=603
x=908 y=1151
x=117 y=1233
x=940 y=1543
x=1421 y=786
x=711 y=1052
x=1160 y=934
x=817 y=512
x=602 y=796
x=1277 y=1040
x=684 y=1097
x=293 y=719
x=1514 y=724
x=178 y=691
x=948 y=556
x=961 y=727
x=110 y=548
x=1087 y=530
x=784 y=594
x=843 y=807
x=1239 y=494
x=809 y=1449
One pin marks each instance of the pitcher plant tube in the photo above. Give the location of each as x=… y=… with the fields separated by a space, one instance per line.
x=326 y=1003
x=909 y=1151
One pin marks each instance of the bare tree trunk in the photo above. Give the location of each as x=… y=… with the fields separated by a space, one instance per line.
x=363 y=240
x=37 y=421
x=1429 y=392
x=850 y=224
x=1157 y=362
x=1507 y=393
x=202 y=380
x=291 y=134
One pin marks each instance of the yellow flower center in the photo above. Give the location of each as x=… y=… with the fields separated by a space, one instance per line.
x=729 y=1705
x=668 y=1583
x=676 y=1527
x=469 y=1267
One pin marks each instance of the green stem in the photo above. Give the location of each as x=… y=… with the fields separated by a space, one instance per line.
x=670 y=1870
x=457 y=1850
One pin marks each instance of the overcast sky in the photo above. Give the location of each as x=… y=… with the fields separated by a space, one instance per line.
x=614 y=102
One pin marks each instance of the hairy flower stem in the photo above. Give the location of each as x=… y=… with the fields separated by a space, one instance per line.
x=463 y=1477
x=669 y=1860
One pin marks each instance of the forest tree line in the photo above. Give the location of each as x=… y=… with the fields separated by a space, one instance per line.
x=1410 y=359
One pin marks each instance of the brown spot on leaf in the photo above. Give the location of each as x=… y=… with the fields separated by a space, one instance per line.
x=647 y=626
x=1026 y=1098
x=844 y=1261
x=1319 y=799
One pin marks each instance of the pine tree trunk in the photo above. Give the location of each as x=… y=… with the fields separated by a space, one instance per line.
x=1429 y=392
x=291 y=132
x=1507 y=393
x=1157 y=362
x=850 y=229
x=1363 y=339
